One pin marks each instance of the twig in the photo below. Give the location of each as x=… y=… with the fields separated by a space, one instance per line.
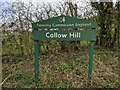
x=5 y=80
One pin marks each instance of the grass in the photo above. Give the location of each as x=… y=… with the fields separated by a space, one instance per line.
x=64 y=70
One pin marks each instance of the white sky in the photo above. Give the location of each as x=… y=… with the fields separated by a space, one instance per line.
x=51 y=1
x=31 y=0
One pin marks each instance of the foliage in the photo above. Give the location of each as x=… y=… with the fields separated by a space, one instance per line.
x=107 y=16
x=66 y=70
x=62 y=64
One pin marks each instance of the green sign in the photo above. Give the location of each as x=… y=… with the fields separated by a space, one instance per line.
x=52 y=29
x=64 y=22
x=64 y=35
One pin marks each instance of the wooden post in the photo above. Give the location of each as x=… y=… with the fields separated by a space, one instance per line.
x=36 y=62
x=90 y=60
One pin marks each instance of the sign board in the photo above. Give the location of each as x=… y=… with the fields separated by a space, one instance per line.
x=75 y=35
x=63 y=22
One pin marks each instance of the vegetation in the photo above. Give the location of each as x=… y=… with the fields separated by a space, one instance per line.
x=62 y=64
x=64 y=70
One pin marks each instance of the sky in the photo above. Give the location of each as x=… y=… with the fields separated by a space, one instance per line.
x=50 y=1
x=34 y=1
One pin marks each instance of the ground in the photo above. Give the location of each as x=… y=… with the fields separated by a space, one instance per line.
x=66 y=69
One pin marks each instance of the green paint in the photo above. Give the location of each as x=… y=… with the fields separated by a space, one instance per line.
x=36 y=63
x=63 y=22
x=64 y=35
x=90 y=60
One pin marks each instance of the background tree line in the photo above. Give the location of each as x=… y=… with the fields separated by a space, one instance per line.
x=16 y=19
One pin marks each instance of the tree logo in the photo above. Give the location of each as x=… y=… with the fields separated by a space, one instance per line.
x=62 y=19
